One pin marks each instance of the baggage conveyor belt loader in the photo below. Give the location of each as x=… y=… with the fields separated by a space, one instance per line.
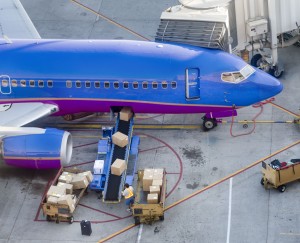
x=114 y=183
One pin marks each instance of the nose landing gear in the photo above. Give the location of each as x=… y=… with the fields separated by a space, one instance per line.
x=209 y=123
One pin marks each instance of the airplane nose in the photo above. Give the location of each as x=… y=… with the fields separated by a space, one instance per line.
x=268 y=86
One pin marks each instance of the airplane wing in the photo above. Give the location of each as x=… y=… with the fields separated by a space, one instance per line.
x=14 y=21
x=20 y=114
x=13 y=116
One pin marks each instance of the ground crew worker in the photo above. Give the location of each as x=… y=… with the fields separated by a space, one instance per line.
x=128 y=193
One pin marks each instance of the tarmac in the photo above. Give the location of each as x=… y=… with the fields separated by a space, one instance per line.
x=220 y=205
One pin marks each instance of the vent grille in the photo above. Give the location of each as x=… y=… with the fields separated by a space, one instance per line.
x=198 y=33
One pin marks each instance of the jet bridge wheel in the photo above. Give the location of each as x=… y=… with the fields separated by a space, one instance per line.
x=209 y=123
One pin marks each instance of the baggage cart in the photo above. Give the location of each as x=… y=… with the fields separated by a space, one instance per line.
x=277 y=174
x=144 y=212
x=58 y=212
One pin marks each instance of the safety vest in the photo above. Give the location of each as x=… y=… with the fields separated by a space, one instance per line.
x=130 y=193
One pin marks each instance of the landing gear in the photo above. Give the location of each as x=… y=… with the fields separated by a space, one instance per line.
x=276 y=72
x=209 y=123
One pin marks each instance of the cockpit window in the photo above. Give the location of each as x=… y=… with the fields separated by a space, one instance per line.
x=238 y=76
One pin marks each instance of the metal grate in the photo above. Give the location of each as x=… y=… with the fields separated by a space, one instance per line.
x=198 y=33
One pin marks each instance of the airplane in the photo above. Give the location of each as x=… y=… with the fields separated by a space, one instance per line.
x=59 y=77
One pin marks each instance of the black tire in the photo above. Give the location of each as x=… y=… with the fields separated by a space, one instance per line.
x=256 y=59
x=48 y=218
x=281 y=188
x=71 y=220
x=162 y=218
x=57 y=221
x=275 y=73
x=209 y=123
x=262 y=181
x=137 y=220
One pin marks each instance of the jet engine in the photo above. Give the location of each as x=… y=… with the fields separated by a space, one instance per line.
x=49 y=150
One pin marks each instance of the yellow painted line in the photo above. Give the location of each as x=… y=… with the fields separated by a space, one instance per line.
x=231 y=175
x=141 y=126
x=117 y=233
x=285 y=110
x=251 y=121
x=208 y=187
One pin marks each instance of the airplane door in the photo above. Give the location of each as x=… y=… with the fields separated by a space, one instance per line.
x=192 y=82
x=5 y=84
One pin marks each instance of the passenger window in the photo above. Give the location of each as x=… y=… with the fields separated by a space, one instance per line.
x=87 y=84
x=69 y=84
x=106 y=84
x=4 y=82
x=135 y=85
x=125 y=85
x=154 y=85
x=50 y=83
x=164 y=84
x=78 y=84
x=31 y=83
x=97 y=84
x=145 y=85
x=14 y=83
x=173 y=84
x=116 y=85
x=41 y=83
x=23 y=83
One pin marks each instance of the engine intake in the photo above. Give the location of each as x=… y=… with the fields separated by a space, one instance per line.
x=50 y=150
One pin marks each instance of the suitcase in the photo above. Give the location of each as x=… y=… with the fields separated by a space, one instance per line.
x=86 y=227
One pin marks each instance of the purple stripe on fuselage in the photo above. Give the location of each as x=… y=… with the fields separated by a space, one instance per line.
x=68 y=106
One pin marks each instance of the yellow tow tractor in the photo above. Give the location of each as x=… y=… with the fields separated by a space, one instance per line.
x=142 y=210
x=277 y=174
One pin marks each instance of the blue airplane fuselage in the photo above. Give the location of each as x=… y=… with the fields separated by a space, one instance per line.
x=95 y=75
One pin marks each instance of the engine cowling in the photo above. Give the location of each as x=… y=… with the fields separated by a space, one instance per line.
x=39 y=151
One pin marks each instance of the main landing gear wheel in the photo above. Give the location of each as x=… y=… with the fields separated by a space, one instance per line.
x=209 y=123
x=275 y=72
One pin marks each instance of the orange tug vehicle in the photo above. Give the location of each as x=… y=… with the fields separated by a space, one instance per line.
x=277 y=174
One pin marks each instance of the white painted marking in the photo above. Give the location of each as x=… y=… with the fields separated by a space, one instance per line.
x=140 y=234
x=229 y=210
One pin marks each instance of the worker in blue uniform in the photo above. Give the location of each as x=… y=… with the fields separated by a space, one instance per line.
x=128 y=193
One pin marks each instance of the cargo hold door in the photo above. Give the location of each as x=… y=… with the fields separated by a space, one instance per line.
x=192 y=83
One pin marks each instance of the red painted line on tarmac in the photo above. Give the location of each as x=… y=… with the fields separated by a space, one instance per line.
x=178 y=157
x=112 y=215
x=40 y=206
x=83 y=145
x=173 y=173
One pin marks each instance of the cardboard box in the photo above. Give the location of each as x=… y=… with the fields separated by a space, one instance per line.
x=68 y=201
x=158 y=176
x=118 y=167
x=69 y=187
x=148 y=171
x=158 y=171
x=125 y=114
x=157 y=183
x=155 y=189
x=87 y=174
x=98 y=167
x=152 y=198
x=120 y=139
x=147 y=182
x=74 y=198
x=56 y=191
x=65 y=177
x=79 y=182
x=52 y=200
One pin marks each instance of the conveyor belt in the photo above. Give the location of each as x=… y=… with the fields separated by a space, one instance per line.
x=114 y=181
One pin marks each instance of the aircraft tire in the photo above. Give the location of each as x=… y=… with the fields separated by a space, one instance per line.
x=255 y=60
x=209 y=123
x=275 y=73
